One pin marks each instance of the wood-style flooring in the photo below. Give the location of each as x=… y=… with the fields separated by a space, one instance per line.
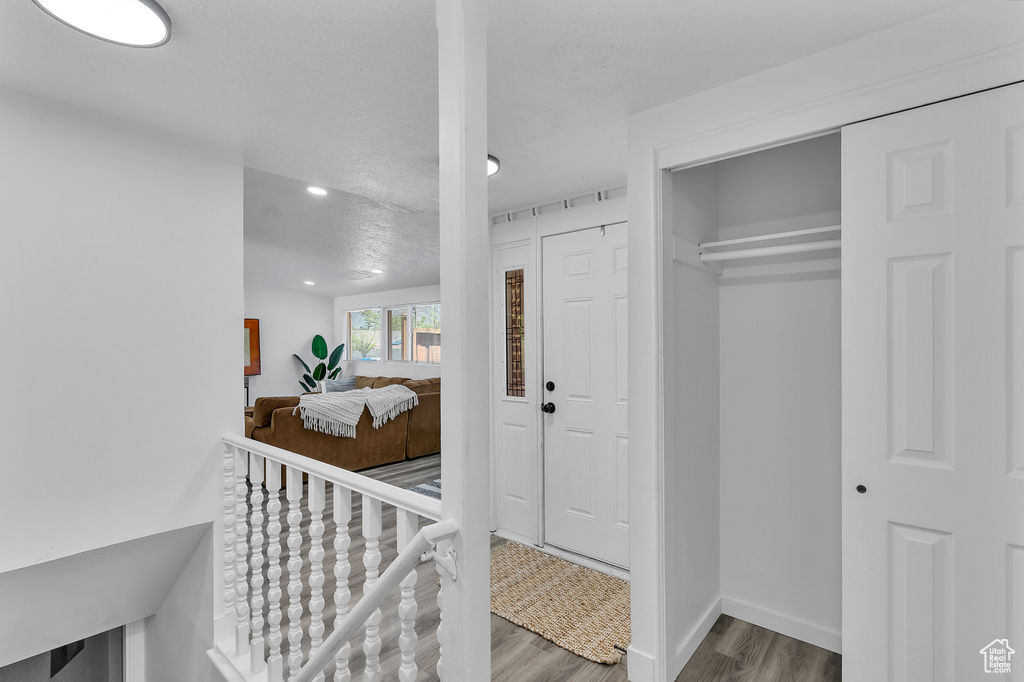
x=734 y=651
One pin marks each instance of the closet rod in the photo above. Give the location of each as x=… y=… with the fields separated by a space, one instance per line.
x=771 y=237
x=771 y=251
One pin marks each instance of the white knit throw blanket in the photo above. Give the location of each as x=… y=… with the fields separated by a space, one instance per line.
x=387 y=403
x=338 y=413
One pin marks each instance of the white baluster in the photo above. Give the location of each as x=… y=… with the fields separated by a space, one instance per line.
x=229 y=533
x=293 y=487
x=316 y=565
x=408 y=525
x=256 y=661
x=371 y=560
x=275 y=663
x=241 y=555
x=440 y=622
x=342 y=568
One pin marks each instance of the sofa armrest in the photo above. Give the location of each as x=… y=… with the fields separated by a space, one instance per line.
x=264 y=408
x=424 y=426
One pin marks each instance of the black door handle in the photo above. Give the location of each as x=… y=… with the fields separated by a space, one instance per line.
x=547 y=407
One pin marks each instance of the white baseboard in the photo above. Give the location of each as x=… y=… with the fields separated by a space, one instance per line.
x=692 y=640
x=787 y=625
x=639 y=665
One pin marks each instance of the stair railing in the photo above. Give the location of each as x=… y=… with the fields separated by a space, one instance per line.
x=254 y=476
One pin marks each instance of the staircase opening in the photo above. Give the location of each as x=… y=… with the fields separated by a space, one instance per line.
x=99 y=658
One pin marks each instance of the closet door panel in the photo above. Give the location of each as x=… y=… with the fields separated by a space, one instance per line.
x=1015 y=359
x=920 y=346
x=933 y=491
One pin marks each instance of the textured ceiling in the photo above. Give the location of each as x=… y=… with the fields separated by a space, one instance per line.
x=334 y=240
x=344 y=95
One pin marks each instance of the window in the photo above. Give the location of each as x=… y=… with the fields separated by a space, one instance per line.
x=398 y=334
x=408 y=333
x=426 y=333
x=515 y=376
x=364 y=335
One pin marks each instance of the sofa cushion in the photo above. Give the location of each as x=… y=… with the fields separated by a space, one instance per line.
x=264 y=408
x=339 y=385
x=381 y=382
x=421 y=386
x=365 y=382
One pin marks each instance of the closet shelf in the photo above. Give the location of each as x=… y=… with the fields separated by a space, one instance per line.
x=798 y=241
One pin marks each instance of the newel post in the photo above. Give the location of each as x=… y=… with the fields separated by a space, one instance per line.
x=465 y=256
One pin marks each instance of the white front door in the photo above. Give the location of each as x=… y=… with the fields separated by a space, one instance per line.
x=586 y=447
x=933 y=391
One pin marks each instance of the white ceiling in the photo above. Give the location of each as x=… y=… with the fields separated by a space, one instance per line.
x=334 y=241
x=344 y=95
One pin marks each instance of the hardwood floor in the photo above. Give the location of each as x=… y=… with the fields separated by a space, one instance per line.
x=734 y=651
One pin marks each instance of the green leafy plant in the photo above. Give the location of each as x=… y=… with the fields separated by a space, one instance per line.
x=329 y=367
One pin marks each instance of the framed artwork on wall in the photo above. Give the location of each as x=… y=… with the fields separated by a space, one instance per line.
x=252 y=347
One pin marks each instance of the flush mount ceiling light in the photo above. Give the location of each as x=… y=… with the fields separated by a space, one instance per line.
x=133 y=23
x=308 y=283
x=377 y=271
x=319 y=191
x=493 y=165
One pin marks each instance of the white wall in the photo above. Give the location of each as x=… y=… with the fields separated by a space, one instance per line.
x=394 y=297
x=692 y=507
x=780 y=397
x=288 y=323
x=121 y=301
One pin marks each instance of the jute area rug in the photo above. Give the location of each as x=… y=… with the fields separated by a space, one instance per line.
x=577 y=608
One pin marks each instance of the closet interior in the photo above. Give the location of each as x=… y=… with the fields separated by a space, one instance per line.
x=755 y=371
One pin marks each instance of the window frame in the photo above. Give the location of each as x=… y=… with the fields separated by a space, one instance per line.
x=348 y=336
x=384 y=335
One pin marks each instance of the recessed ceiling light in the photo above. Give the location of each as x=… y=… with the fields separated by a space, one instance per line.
x=308 y=283
x=377 y=271
x=493 y=165
x=134 y=23
x=319 y=191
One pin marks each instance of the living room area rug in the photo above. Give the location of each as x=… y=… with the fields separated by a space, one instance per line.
x=579 y=609
x=430 y=489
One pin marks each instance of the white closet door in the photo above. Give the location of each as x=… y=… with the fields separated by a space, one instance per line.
x=586 y=448
x=933 y=390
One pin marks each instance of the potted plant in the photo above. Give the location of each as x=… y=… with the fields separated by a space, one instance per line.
x=328 y=367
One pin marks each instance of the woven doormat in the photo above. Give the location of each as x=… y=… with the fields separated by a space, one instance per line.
x=579 y=609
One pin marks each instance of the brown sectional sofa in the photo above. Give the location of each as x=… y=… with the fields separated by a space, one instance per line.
x=411 y=434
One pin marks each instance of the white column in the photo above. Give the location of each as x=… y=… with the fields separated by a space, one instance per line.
x=241 y=554
x=440 y=622
x=465 y=258
x=229 y=533
x=316 y=565
x=371 y=561
x=275 y=663
x=342 y=568
x=408 y=525
x=293 y=488
x=256 y=661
